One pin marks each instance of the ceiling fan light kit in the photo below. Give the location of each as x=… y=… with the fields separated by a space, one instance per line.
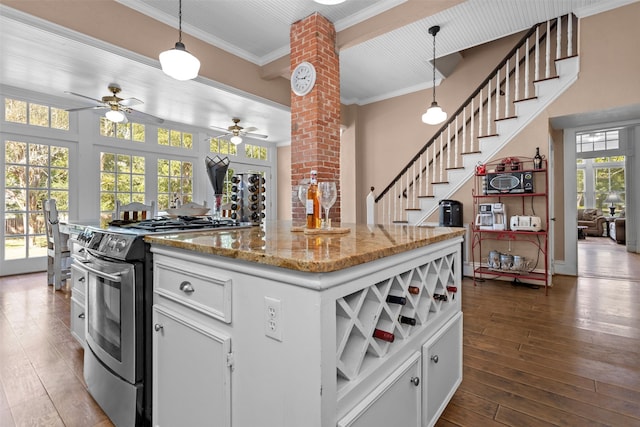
x=329 y=2
x=434 y=115
x=115 y=115
x=235 y=139
x=178 y=62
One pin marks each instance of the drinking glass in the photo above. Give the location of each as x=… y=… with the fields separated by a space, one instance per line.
x=302 y=196
x=328 y=196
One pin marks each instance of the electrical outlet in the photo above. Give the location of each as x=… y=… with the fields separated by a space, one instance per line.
x=273 y=318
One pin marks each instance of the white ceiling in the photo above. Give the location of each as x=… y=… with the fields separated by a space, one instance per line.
x=47 y=58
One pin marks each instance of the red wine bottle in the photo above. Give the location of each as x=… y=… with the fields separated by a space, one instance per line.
x=414 y=290
x=383 y=335
x=452 y=288
x=396 y=300
x=407 y=320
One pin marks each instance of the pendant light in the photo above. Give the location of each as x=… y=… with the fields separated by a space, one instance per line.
x=235 y=139
x=178 y=62
x=434 y=115
x=329 y=2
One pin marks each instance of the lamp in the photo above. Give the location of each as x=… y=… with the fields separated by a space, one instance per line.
x=115 y=115
x=612 y=198
x=178 y=62
x=235 y=139
x=434 y=115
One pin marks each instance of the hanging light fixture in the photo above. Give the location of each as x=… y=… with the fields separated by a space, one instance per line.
x=178 y=62
x=115 y=115
x=235 y=139
x=329 y=2
x=434 y=115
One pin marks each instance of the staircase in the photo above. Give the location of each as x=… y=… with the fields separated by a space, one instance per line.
x=532 y=75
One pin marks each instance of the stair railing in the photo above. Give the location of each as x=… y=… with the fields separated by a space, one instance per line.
x=512 y=80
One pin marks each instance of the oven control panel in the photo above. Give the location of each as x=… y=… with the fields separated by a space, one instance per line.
x=121 y=246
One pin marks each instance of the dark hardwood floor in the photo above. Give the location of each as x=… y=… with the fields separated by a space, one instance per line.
x=571 y=358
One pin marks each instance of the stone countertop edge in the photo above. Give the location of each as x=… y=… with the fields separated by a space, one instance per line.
x=276 y=245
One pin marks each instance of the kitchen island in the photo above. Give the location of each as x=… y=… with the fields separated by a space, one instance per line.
x=264 y=326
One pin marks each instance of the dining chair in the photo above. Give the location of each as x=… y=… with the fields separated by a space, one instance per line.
x=58 y=253
x=135 y=211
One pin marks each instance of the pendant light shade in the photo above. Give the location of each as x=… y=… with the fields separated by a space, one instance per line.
x=235 y=139
x=329 y=2
x=434 y=115
x=178 y=62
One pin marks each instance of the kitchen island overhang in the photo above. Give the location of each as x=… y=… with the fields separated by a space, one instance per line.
x=323 y=366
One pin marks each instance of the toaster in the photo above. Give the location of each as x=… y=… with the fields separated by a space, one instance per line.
x=525 y=223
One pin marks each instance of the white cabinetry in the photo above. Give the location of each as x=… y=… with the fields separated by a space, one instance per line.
x=192 y=357
x=325 y=369
x=78 y=293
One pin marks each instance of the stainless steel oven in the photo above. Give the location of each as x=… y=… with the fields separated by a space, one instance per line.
x=116 y=362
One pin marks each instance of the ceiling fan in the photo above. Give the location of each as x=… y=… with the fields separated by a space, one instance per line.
x=117 y=107
x=236 y=132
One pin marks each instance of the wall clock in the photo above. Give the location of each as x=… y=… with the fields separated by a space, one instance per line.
x=303 y=78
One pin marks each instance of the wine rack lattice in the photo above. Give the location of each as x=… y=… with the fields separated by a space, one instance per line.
x=361 y=312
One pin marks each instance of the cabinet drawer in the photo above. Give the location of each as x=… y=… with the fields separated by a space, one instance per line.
x=191 y=285
x=78 y=280
x=441 y=369
x=78 y=319
x=395 y=402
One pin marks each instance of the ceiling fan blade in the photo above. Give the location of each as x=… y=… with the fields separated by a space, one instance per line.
x=84 y=96
x=250 y=129
x=130 y=102
x=223 y=135
x=144 y=116
x=219 y=128
x=86 y=108
x=255 y=135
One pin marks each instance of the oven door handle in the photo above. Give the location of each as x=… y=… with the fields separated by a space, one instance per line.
x=115 y=277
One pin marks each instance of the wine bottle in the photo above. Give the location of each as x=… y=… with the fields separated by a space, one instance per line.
x=537 y=159
x=440 y=297
x=235 y=179
x=414 y=290
x=253 y=198
x=407 y=320
x=452 y=288
x=396 y=300
x=383 y=335
x=313 y=202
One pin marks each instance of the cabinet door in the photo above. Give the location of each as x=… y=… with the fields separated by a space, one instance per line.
x=191 y=374
x=395 y=402
x=442 y=368
x=77 y=320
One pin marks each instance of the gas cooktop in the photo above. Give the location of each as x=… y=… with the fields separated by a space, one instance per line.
x=168 y=224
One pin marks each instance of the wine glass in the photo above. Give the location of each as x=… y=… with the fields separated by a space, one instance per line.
x=328 y=196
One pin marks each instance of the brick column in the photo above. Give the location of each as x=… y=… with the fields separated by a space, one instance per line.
x=315 y=117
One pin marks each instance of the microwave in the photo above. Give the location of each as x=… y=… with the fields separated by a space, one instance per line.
x=509 y=182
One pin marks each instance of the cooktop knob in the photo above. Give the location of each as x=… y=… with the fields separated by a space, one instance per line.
x=120 y=245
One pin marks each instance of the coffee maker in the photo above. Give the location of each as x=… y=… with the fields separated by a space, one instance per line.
x=491 y=216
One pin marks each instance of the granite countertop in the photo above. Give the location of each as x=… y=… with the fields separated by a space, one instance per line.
x=275 y=244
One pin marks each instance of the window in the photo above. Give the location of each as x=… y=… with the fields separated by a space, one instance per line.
x=581 y=188
x=597 y=178
x=175 y=180
x=174 y=138
x=121 y=178
x=222 y=146
x=32 y=173
x=598 y=141
x=16 y=111
x=255 y=152
x=129 y=131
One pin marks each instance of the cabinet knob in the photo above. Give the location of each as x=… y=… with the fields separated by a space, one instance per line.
x=435 y=358
x=81 y=279
x=158 y=327
x=186 y=287
x=415 y=381
x=81 y=316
